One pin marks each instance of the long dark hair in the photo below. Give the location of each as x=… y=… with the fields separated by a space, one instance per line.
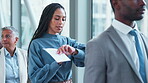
x=46 y=17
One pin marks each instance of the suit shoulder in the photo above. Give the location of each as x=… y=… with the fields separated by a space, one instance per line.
x=102 y=37
x=20 y=49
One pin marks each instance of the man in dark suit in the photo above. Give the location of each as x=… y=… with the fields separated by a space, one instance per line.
x=112 y=57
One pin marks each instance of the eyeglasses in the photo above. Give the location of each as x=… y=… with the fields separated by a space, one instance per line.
x=6 y=36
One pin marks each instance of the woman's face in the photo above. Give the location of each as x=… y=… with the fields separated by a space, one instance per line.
x=57 y=22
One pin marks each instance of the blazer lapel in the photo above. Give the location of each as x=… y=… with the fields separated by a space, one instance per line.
x=146 y=49
x=119 y=43
x=145 y=43
x=2 y=66
x=21 y=65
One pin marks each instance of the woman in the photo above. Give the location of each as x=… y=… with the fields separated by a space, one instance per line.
x=42 y=67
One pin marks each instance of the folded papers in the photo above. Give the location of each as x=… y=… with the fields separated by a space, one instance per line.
x=57 y=57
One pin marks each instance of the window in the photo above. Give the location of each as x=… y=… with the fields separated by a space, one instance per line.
x=103 y=15
x=5 y=13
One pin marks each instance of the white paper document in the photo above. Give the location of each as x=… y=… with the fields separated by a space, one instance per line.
x=58 y=57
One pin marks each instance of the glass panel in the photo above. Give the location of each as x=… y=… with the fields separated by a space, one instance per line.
x=103 y=15
x=31 y=12
x=143 y=24
x=5 y=13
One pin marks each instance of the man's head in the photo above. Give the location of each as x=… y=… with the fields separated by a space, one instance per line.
x=9 y=37
x=128 y=10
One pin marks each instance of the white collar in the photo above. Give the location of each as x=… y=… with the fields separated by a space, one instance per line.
x=123 y=27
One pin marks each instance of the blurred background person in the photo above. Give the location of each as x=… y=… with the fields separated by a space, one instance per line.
x=13 y=60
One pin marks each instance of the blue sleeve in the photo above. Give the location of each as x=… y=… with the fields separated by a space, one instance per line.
x=38 y=71
x=79 y=58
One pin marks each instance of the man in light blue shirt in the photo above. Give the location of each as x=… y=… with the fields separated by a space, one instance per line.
x=12 y=69
x=13 y=60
